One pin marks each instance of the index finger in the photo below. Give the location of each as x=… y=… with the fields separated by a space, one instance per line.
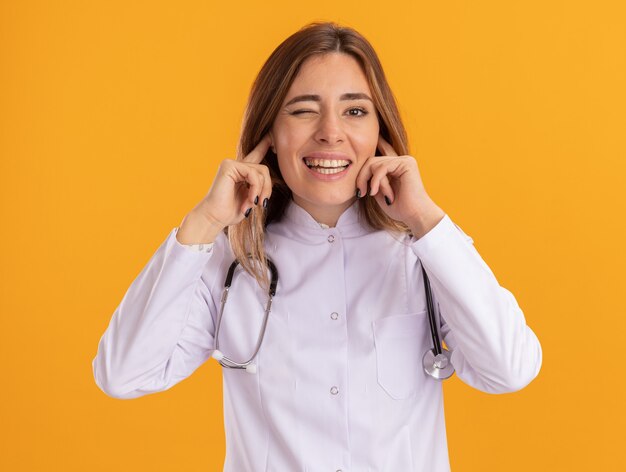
x=258 y=153
x=385 y=147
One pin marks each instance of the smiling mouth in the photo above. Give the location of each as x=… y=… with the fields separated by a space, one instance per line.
x=327 y=166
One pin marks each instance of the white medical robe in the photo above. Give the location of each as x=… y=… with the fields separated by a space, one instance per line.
x=340 y=384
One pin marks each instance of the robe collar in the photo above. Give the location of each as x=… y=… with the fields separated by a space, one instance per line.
x=298 y=224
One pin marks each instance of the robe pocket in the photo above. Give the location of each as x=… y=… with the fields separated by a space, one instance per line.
x=400 y=342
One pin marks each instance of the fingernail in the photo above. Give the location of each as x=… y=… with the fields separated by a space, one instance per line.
x=387 y=201
x=265 y=203
x=358 y=193
x=256 y=200
x=247 y=212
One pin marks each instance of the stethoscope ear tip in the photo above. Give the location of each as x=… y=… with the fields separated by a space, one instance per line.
x=217 y=355
x=251 y=368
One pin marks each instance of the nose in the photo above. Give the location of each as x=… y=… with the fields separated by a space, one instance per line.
x=329 y=130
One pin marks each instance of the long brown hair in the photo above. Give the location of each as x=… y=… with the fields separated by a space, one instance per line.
x=266 y=97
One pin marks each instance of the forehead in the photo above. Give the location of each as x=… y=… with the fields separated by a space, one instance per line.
x=334 y=73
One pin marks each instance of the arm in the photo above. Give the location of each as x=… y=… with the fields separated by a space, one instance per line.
x=162 y=330
x=492 y=348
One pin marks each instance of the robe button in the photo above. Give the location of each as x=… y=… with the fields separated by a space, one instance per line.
x=331 y=238
x=334 y=390
x=334 y=315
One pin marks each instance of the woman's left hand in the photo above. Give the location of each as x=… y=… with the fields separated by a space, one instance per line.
x=396 y=184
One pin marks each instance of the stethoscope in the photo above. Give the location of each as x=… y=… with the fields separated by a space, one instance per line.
x=436 y=361
x=219 y=355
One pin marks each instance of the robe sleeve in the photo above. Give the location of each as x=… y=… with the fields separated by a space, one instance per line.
x=163 y=329
x=492 y=347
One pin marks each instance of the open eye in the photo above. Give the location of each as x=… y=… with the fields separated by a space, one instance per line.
x=357 y=111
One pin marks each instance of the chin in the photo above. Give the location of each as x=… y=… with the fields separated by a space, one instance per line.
x=331 y=200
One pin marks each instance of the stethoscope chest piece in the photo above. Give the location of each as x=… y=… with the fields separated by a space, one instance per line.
x=438 y=366
x=436 y=361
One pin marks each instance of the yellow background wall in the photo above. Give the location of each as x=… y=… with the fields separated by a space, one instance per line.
x=115 y=114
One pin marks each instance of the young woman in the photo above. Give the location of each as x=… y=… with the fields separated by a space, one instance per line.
x=324 y=189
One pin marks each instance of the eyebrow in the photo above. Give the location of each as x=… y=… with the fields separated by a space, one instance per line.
x=317 y=98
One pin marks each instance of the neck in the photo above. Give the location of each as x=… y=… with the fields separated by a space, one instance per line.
x=328 y=215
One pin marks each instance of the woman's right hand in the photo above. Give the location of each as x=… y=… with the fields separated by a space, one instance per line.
x=237 y=187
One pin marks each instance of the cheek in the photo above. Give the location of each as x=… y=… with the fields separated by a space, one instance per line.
x=366 y=141
x=285 y=137
x=285 y=165
x=286 y=148
x=367 y=144
x=281 y=139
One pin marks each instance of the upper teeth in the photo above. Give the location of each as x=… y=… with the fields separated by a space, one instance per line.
x=326 y=162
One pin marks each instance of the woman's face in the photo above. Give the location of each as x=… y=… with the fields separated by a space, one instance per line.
x=325 y=130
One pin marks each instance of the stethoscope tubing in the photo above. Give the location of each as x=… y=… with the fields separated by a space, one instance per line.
x=432 y=319
x=224 y=360
x=436 y=361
